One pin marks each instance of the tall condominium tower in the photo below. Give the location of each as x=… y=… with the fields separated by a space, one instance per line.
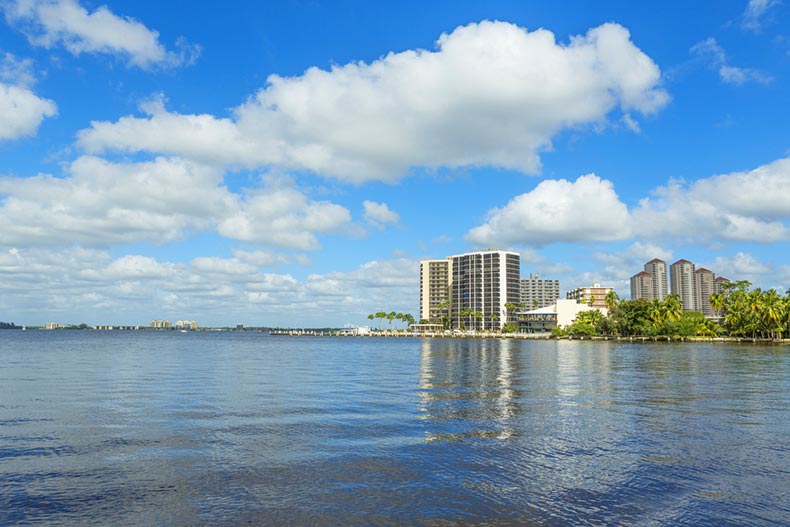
x=482 y=283
x=704 y=286
x=435 y=289
x=658 y=273
x=682 y=274
x=537 y=292
x=642 y=286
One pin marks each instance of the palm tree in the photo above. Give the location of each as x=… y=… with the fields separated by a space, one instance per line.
x=381 y=315
x=772 y=313
x=511 y=307
x=399 y=316
x=673 y=308
x=444 y=313
x=467 y=313
x=611 y=300
x=478 y=316
x=494 y=318
x=718 y=301
x=371 y=317
x=391 y=317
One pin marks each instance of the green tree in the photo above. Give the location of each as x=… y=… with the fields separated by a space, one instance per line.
x=611 y=299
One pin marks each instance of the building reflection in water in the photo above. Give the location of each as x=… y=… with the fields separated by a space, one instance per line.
x=468 y=388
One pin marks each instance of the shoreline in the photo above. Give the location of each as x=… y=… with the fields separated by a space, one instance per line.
x=529 y=336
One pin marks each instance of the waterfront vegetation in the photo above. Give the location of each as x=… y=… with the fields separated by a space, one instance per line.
x=403 y=318
x=740 y=312
x=8 y=325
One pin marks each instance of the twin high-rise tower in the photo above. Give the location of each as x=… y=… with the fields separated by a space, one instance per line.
x=693 y=286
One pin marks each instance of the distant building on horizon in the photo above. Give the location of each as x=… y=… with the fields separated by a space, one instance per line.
x=160 y=324
x=537 y=292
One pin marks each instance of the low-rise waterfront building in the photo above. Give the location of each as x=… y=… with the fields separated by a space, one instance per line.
x=560 y=314
x=594 y=295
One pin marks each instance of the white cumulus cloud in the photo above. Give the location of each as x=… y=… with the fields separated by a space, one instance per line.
x=49 y=23
x=491 y=94
x=741 y=206
x=283 y=216
x=379 y=214
x=22 y=111
x=101 y=203
x=557 y=211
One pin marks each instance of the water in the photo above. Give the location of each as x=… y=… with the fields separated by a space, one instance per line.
x=139 y=428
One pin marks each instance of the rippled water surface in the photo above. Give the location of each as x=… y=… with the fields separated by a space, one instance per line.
x=144 y=428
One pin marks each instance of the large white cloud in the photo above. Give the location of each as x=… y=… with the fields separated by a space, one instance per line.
x=491 y=94
x=101 y=203
x=283 y=216
x=21 y=111
x=741 y=206
x=65 y=22
x=557 y=211
x=749 y=206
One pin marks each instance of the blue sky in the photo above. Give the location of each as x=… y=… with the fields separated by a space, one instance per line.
x=289 y=163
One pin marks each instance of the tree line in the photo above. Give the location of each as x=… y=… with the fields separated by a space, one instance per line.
x=739 y=312
x=405 y=318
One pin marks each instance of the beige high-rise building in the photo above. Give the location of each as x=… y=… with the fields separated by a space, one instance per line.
x=682 y=275
x=718 y=284
x=642 y=286
x=704 y=286
x=435 y=289
x=658 y=274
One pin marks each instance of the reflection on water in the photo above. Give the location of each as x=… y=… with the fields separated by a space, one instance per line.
x=471 y=384
x=228 y=429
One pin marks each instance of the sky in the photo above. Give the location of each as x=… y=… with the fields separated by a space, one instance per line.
x=289 y=163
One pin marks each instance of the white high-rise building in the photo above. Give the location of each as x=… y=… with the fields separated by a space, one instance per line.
x=482 y=283
x=537 y=292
